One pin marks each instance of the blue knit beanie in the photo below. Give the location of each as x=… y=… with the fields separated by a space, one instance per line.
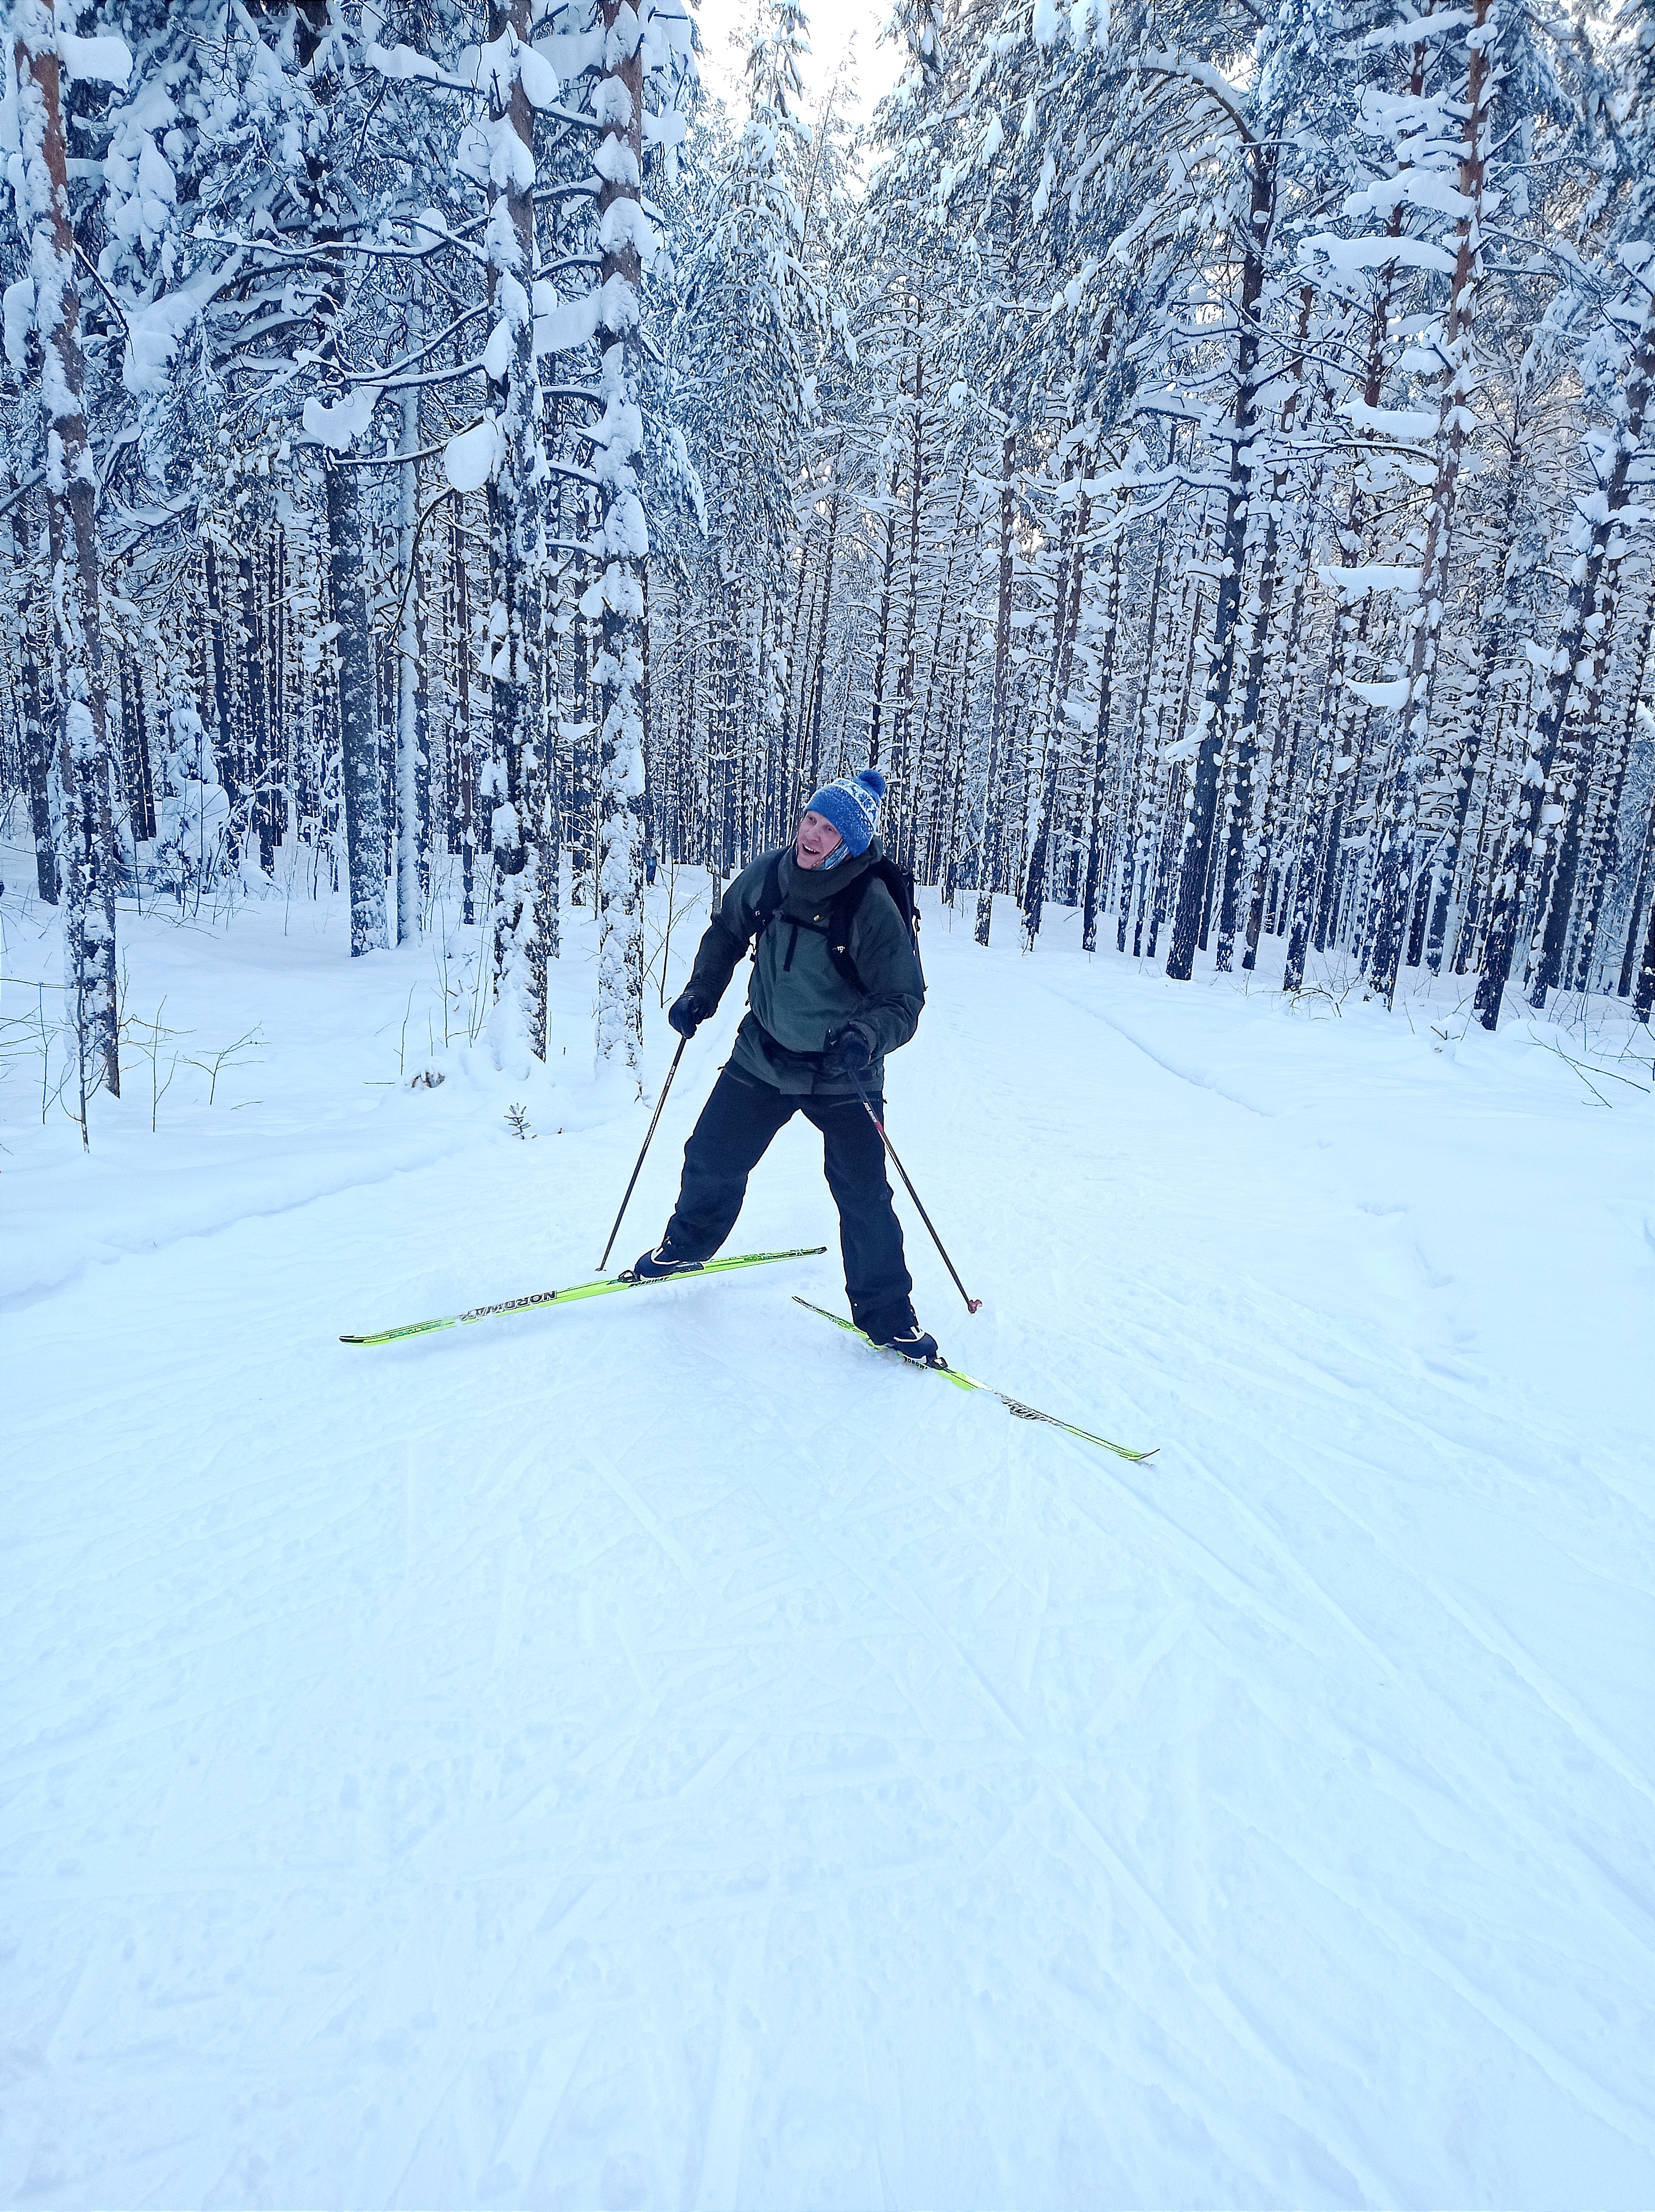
x=852 y=805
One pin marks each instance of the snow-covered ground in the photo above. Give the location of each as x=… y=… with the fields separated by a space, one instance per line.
x=657 y=1754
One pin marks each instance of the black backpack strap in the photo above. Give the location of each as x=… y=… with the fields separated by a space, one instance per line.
x=769 y=900
x=843 y=910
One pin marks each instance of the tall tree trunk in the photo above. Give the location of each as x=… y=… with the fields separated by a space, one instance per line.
x=41 y=174
x=1094 y=884
x=1467 y=745
x=876 y=695
x=413 y=755
x=516 y=622
x=1283 y=752
x=1603 y=841
x=922 y=735
x=1195 y=844
x=902 y=781
x=275 y=673
x=812 y=777
x=224 y=709
x=961 y=696
x=1633 y=971
x=460 y=735
x=989 y=842
x=359 y=736
x=1240 y=834
x=1572 y=787
x=1071 y=588
x=1146 y=749
x=624 y=541
x=254 y=724
x=1398 y=827
x=1329 y=768
x=33 y=692
x=134 y=736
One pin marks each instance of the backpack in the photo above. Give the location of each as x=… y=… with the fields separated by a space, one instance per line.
x=843 y=908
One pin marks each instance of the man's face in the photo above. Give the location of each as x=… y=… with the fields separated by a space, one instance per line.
x=816 y=841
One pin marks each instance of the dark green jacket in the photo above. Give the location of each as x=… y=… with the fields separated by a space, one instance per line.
x=797 y=995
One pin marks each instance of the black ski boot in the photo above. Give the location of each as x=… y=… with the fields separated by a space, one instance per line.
x=901 y=1333
x=655 y=1266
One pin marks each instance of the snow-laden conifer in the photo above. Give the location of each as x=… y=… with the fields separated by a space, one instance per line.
x=45 y=299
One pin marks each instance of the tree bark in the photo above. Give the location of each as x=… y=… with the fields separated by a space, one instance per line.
x=624 y=545
x=1638 y=976
x=88 y=860
x=1639 y=611
x=1195 y=844
x=413 y=754
x=511 y=782
x=359 y=736
x=1100 y=756
x=988 y=840
x=1071 y=589
x=34 y=695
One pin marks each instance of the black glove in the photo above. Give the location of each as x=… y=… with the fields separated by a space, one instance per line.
x=849 y=1056
x=687 y=1014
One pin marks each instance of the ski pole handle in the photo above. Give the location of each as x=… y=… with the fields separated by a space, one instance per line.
x=638 y=1171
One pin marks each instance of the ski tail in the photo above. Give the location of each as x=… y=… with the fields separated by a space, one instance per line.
x=963 y=1382
x=410 y=1328
x=538 y=1301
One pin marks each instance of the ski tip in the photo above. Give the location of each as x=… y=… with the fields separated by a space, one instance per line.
x=353 y=1339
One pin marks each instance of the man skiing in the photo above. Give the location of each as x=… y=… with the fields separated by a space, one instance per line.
x=835 y=985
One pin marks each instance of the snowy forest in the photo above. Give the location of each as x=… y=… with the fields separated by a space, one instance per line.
x=1075 y=1629
x=1200 y=457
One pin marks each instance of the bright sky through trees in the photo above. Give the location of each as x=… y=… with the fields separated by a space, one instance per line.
x=726 y=27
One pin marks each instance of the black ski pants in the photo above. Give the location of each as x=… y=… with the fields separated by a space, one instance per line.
x=732 y=1135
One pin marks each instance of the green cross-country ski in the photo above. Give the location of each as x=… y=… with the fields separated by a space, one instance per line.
x=538 y=1301
x=962 y=1382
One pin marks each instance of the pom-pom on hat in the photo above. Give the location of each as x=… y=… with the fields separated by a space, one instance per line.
x=852 y=805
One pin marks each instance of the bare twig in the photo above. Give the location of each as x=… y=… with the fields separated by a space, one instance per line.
x=1581 y=1067
x=213 y=1070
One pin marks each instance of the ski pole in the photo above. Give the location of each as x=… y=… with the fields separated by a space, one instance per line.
x=971 y=1304
x=638 y=1171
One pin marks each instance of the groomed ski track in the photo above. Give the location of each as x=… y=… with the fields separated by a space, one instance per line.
x=674 y=1758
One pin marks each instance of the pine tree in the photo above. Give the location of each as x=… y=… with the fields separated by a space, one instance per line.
x=40 y=183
